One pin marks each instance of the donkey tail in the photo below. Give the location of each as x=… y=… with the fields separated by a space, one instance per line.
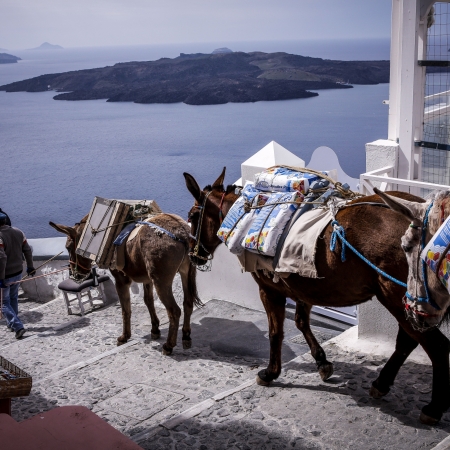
x=192 y=286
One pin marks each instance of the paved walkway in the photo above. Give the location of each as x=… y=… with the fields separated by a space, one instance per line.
x=206 y=397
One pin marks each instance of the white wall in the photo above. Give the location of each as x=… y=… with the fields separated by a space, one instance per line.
x=226 y=281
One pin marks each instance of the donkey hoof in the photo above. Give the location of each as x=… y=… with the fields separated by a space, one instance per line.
x=427 y=420
x=166 y=351
x=121 y=340
x=375 y=393
x=155 y=335
x=187 y=344
x=325 y=370
x=263 y=379
x=261 y=382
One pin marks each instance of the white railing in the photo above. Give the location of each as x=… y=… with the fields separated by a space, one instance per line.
x=437 y=109
x=384 y=180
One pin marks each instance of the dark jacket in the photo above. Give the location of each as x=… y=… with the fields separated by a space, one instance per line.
x=13 y=244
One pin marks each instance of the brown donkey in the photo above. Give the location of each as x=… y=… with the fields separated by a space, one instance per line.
x=373 y=230
x=152 y=258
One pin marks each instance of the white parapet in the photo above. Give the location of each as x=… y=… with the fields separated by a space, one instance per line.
x=227 y=282
x=272 y=154
x=324 y=158
x=381 y=153
x=46 y=248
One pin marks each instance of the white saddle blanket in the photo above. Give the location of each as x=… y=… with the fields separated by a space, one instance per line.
x=299 y=249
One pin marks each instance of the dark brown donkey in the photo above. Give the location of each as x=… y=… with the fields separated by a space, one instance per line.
x=373 y=230
x=152 y=258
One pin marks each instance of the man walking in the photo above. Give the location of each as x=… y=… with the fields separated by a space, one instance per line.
x=13 y=244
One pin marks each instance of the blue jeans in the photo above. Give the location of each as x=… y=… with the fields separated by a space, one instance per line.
x=11 y=303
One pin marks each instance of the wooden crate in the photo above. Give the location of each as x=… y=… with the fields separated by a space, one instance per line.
x=105 y=221
x=14 y=387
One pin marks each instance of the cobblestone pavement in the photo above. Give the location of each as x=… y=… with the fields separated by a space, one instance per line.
x=205 y=397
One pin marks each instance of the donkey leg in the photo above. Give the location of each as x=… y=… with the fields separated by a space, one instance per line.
x=436 y=346
x=404 y=345
x=274 y=304
x=188 y=306
x=302 y=314
x=150 y=303
x=123 y=291
x=173 y=311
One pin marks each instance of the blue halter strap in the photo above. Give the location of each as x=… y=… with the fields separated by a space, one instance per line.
x=339 y=232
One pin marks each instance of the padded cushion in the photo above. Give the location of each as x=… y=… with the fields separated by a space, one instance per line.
x=71 y=286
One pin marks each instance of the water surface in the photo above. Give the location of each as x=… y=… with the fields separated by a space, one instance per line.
x=56 y=155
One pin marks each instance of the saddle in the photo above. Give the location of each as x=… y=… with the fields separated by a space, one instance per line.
x=128 y=233
x=275 y=223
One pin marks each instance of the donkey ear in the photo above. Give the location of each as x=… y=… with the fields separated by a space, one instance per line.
x=192 y=186
x=219 y=181
x=69 y=231
x=411 y=210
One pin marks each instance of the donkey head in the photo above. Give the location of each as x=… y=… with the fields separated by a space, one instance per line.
x=204 y=218
x=79 y=266
x=427 y=299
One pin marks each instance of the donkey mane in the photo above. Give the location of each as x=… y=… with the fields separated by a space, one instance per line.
x=230 y=188
x=440 y=210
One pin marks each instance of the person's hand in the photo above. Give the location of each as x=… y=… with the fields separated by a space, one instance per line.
x=2 y=284
x=31 y=271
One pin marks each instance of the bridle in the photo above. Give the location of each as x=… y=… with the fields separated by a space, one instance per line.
x=194 y=255
x=411 y=310
x=75 y=274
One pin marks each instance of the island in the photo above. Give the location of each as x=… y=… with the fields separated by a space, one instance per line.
x=6 y=58
x=207 y=79
x=222 y=50
x=47 y=46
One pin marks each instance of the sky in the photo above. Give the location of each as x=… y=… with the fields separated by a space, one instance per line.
x=92 y=23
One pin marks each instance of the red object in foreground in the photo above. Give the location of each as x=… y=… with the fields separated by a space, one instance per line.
x=67 y=427
x=5 y=406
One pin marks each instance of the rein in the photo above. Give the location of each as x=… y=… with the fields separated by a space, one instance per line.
x=220 y=208
x=339 y=232
x=74 y=274
x=195 y=253
x=426 y=299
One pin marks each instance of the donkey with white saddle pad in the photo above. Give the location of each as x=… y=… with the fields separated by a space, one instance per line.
x=358 y=256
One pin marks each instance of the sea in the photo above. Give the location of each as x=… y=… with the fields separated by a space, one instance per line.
x=56 y=156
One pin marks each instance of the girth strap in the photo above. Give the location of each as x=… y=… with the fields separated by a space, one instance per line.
x=129 y=228
x=163 y=230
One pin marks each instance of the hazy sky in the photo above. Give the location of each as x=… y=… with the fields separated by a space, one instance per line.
x=80 y=23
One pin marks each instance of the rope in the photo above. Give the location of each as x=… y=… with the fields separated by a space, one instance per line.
x=347 y=193
x=95 y=230
x=337 y=233
x=23 y=280
x=334 y=236
x=247 y=206
x=43 y=264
